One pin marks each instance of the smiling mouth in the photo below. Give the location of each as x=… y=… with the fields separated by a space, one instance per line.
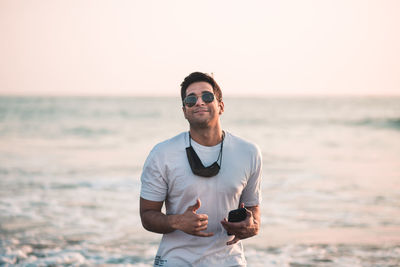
x=201 y=111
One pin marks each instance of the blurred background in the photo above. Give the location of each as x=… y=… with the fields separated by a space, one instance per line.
x=87 y=88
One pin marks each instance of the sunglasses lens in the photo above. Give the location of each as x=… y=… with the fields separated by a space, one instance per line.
x=207 y=97
x=190 y=100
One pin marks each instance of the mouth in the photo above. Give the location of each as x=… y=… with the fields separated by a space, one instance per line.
x=201 y=111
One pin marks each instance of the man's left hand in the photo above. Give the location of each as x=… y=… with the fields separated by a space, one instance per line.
x=244 y=229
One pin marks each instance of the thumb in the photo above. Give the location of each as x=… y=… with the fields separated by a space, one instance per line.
x=196 y=206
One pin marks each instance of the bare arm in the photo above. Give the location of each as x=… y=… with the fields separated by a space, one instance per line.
x=189 y=222
x=244 y=229
x=152 y=218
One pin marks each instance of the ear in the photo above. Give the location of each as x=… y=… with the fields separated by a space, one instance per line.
x=221 y=107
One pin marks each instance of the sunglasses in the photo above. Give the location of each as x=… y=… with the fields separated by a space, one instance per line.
x=191 y=100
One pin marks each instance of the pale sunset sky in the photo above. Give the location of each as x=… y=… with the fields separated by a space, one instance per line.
x=293 y=47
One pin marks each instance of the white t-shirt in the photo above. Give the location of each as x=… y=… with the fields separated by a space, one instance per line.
x=167 y=176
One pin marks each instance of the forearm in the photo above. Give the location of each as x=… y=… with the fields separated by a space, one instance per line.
x=158 y=222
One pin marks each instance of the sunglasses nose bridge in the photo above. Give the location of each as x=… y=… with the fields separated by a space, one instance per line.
x=200 y=98
x=197 y=103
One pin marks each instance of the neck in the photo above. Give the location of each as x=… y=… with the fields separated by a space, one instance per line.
x=207 y=136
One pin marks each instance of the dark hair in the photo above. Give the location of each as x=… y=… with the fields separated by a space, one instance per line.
x=200 y=77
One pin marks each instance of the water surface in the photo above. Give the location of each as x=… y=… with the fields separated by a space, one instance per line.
x=70 y=168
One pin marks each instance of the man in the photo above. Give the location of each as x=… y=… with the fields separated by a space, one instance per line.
x=198 y=198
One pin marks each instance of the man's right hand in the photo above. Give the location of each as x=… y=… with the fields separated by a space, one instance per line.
x=190 y=222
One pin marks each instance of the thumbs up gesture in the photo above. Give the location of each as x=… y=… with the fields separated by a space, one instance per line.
x=192 y=223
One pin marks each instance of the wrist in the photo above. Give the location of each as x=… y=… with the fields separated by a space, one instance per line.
x=173 y=221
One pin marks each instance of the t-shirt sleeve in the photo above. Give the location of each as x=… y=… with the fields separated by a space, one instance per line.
x=153 y=184
x=251 y=195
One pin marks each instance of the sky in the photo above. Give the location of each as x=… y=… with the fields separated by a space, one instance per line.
x=286 y=47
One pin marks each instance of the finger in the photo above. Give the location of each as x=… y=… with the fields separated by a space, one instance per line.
x=201 y=228
x=197 y=205
x=226 y=224
x=203 y=234
x=201 y=223
x=226 y=228
x=202 y=217
x=233 y=241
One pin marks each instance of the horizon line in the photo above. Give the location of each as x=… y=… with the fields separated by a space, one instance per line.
x=178 y=95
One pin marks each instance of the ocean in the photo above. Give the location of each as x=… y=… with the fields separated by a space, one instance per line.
x=70 y=178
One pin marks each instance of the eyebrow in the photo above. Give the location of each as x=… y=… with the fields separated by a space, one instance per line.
x=201 y=93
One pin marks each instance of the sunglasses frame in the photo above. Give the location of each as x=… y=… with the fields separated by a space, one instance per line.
x=204 y=97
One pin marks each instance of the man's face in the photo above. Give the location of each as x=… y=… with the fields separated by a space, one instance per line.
x=202 y=115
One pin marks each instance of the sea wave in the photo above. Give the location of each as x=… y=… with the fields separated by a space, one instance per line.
x=388 y=123
x=85 y=131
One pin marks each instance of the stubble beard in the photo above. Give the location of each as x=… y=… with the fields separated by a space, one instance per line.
x=199 y=125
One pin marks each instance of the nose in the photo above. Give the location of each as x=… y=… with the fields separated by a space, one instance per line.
x=199 y=101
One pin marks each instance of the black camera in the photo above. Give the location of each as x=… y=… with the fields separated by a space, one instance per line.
x=237 y=215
